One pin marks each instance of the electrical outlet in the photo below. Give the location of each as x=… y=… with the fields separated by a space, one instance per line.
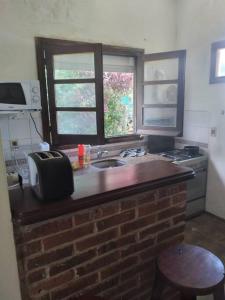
x=14 y=144
x=214 y=131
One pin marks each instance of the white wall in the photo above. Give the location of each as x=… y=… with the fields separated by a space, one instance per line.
x=138 y=23
x=9 y=283
x=147 y=24
x=199 y=24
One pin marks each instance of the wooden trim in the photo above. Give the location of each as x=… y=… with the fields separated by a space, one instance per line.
x=84 y=109
x=57 y=46
x=121 y=51
x=178 y=130
x=213 y=63
x=165 y=55
x=159 y=106
x=155 y=82
x=71 y=81
x=124 y=138
x=43 y=88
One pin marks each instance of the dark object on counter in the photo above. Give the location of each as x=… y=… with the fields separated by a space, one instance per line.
x=51 y=175
x=191 y=150
x=158 y=143
x=192 y=270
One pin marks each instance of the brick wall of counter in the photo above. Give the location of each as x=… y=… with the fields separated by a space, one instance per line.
x=107 y=250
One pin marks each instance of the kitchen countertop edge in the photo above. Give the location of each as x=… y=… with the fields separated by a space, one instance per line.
x=26 y=209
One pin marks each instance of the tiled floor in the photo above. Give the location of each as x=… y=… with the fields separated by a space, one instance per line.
x=209 y=232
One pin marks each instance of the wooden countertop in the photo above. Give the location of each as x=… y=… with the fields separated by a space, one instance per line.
x=97 y=188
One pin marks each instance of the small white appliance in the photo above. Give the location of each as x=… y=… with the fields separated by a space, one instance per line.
x=20 y=95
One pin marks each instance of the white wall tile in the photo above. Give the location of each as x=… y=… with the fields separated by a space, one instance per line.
x=4 y=127
x=19 y=129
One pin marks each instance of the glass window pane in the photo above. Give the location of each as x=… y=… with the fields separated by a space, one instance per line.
x=220 y=68
x=160 y=117
x=74 y=66
x=73 y=122
x=75 y=95
x=160 y=94
x=118 y=82
x=165 y=69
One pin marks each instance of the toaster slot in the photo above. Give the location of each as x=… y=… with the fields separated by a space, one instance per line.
x=55 y=154
x=42 y=155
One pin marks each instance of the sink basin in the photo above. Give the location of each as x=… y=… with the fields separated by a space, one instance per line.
x=108 y=163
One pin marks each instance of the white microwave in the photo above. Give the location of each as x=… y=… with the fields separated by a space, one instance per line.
x=20 y=95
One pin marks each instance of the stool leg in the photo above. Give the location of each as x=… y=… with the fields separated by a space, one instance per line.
x=218 y=294
x=158 y=287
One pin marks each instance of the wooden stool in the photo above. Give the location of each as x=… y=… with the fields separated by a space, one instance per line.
x=192 y=270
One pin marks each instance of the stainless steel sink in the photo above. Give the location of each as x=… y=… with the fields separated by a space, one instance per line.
x=108 y=163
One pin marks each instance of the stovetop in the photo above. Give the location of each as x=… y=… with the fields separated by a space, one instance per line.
x=179 y=155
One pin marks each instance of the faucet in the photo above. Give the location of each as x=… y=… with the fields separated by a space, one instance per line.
x=101 y=152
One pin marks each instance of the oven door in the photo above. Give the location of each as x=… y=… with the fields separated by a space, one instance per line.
x=196 y=187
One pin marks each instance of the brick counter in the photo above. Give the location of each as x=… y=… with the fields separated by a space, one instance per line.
x=108 y=249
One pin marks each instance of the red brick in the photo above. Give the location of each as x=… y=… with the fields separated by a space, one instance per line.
x=103 y=286
x=148 y=254
x=137 y=224
x=31 y=248
x=125 y=241
x=99 y=263
x=49 y=257
x=36 y=276
x=74 y=287
x=182 y=186
x=179 y=219
x=68 y=236
x=52 y=282
x=116 y=220
x=140 y=267
x=178 y=198
x=97 y=239
x=167 y=243
x=116 y=268
x=105 y=211
x=146 y=197
x=128 y=204
x=172 y=211
x=153 y=207
x=31 y=232
x=122 y=288
x=82 y=218
x=137 y=247
x=72 y=262
x=170 y=233
x=154 y=229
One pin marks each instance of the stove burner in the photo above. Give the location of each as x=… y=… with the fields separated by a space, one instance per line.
x=179 y=155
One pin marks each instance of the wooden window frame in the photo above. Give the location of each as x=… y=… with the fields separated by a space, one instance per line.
x=168 y=131
x=49 y=130
x=213 y=63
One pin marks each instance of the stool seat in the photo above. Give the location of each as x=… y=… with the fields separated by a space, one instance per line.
x=191 y=267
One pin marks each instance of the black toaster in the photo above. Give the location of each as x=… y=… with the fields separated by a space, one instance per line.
x=51 y=175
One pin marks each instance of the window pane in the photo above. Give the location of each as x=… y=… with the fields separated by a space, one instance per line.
x=118 y=79
x=160 y=117
x=75 y=95
x=76 y=122
x=166 y=69
x=74 y=66
x=160 y=94
x=220 y=69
